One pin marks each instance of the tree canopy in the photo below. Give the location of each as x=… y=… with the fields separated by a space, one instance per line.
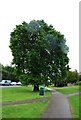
x=39 y=53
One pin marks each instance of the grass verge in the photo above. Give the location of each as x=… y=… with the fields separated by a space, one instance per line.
x=67 y=90
x=74 y=106
x=33 y=110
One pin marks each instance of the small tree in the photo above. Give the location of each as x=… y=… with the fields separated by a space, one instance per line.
x=8 y=72
x=72 y=77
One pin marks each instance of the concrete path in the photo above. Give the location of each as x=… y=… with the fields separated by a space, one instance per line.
x=24 y=101
x=72 y=94
x=58 y=106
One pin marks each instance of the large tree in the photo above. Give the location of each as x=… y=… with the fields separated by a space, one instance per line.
x=39 y=53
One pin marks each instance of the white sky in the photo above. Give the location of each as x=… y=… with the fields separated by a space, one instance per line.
x=62 y=14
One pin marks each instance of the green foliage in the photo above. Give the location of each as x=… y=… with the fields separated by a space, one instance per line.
x=9 y=73
x=78 y=83
x=39 y=52
x=72 y=76
x=79 y=77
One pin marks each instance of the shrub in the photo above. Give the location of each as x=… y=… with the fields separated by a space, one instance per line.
x=78 y=83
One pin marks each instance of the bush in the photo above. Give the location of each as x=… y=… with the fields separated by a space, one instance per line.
x=72 y=77
x=60 y=83
x=78 y=83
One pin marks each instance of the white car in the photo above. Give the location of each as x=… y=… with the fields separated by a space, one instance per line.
x=18 y=83
x=5 y=82
x=13 y=83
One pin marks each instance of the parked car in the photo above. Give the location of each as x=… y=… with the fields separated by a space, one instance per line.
x=18 y=83
x=5 y=82
x=13 y=83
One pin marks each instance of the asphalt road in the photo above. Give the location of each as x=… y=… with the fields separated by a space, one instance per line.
x=9 y=86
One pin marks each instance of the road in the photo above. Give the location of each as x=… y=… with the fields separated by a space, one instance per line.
x=9 y=86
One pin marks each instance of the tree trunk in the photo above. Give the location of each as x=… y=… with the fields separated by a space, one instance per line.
x=36 y=88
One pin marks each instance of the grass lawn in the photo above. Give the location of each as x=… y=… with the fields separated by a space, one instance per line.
x=75 y=106
x=0 y=94
x=67 y=90
x=0 y=112
x=21 y=93
x=33 y=110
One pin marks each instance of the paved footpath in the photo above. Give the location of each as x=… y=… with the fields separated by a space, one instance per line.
x=24 y=101
x=58 y=106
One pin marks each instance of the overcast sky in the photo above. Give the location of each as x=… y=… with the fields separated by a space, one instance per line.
x=62 y=14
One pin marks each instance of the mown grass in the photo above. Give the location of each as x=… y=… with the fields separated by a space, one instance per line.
x=0 y=112
x=67 y=90
x=33 y=110
x=21 y=93
x=75 y=106
x=0 y=106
